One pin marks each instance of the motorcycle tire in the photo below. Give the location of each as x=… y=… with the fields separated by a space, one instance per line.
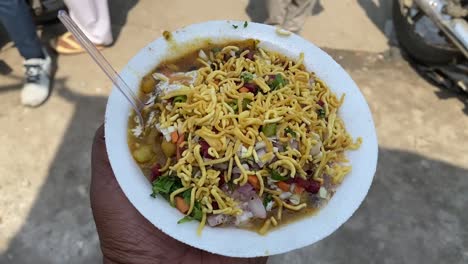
x=415 y=46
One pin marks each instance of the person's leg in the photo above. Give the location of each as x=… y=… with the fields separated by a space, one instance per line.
x=17 y=20
x=92 y=16
x=297 y=13
x=15 y=16
x=276 y=11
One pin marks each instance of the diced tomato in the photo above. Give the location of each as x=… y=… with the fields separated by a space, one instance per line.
x=244 y=90
x=298 y=189
x=181 y=204
x=253 y=180
x=250 y=55
x=309 y=185
x=283 y=186
x=253 y=88
x=204 y=149
x=174 y=137
x=155 y=172
x=221 y=180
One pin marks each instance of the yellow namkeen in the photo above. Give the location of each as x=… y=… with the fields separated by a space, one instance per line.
x=219 y=109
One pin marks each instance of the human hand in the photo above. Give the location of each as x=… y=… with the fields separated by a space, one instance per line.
x=125 y=235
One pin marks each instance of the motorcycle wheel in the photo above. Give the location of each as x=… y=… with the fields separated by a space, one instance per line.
x=416 y=45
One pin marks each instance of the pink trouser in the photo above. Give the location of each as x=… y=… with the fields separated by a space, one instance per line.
x=92 y=16
x=289 y=14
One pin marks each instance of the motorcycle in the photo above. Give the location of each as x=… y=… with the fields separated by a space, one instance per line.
x=434 y=33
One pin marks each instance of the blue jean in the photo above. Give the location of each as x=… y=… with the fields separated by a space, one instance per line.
x=17 y=19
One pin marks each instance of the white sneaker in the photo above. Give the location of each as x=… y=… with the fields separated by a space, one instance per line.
x=37 y=81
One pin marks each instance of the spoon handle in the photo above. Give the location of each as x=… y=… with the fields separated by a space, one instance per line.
x=102 y=62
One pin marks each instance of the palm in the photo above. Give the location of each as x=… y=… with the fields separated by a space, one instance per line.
x=125 y=235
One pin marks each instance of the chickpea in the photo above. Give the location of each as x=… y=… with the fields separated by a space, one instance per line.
x=168 y=148
x=147 y=84
x=143 y=154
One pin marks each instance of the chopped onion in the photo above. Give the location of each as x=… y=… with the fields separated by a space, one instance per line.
x=166 y=131
x=137 y=131
x=256 y=207
x=150 y=119
x=160 y=77
x=316 y=148
x=319 y=156
x=285 y=195
x=269 y=205
x=261 y=153
x=295 y=199
x=202 y=55
x=215 y=220
x=256 y=166
x=244 y=193
x=270 y=181
x=242 y=151
x=323 y=192
x=259 y=145
x=236 y=170
x=294 y=144
x=244 y=217
x=150 y=101
x=221 y=166
x=292 y=187
x=260 y=164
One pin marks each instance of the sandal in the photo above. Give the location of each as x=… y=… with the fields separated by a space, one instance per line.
x=66 y=44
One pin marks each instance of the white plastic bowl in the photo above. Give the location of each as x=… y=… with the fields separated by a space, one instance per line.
x=231 y=241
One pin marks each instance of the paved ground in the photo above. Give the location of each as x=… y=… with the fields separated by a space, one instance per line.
x=414 y=212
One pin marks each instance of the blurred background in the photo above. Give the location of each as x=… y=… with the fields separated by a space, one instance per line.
x=416 y=208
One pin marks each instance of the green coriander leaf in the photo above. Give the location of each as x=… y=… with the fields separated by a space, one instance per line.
x=245 y=103
x=231 y=185
x=277 y=82
x=197 y=212
x=177 y=185
x=246 y=76
x=233 y=105
x=185 y=219
x=269 y=130
x=163 y=184
x=180 y=99
x=187 y=195
x=321 y=113
x=246 y=24
x=235 y=26
x=268 y=198
x=274 y=174
x=288 y=130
